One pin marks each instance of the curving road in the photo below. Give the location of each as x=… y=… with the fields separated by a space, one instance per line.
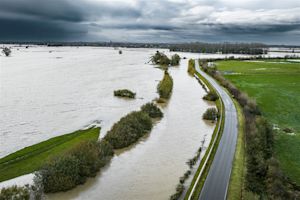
x=216 y=183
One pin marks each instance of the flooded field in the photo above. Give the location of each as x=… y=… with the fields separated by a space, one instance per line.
x=49 y=91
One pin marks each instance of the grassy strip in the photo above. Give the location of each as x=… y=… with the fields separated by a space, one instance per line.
x=31 y=158
x=205 y=172
x=236 y=184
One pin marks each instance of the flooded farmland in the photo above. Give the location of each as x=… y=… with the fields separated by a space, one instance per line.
x=71 y=88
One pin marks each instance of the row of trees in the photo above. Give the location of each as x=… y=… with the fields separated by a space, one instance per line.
x=263 y=176
x=224 y=48
x=132 y=126
x=74 y=167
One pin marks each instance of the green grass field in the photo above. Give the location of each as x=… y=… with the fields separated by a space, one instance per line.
x=275 y=84
x=31 y=158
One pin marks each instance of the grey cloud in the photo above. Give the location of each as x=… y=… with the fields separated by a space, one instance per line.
x=150 y=21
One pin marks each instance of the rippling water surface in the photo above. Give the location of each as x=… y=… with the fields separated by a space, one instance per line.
x=49 y=91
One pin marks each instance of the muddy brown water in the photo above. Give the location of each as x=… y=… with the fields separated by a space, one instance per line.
x=151 y=168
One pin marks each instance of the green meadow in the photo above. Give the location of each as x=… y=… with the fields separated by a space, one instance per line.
x=31 y=158
x=275 y=84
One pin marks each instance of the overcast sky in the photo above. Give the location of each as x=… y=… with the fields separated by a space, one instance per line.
x=275 y=21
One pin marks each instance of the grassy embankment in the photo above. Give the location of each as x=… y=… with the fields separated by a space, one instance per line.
x=275 y=86
x=217 y=134
x=236 y=184
x=31 y=158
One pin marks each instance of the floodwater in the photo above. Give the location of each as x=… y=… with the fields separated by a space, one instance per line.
x=46 y=92
x=151 y=168
x=49 y=91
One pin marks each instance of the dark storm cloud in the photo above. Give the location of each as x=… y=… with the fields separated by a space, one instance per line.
x=150 y=21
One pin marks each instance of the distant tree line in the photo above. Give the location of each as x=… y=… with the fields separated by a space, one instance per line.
x=223 y=48
x=263 y=176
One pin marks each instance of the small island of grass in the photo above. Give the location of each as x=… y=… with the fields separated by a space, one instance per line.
x=124 y=93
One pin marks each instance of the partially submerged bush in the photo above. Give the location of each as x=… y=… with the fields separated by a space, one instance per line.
x=6 y=51
x=15 y=193
x=175 y=59
x=160 y=59
x=191 y=67
x=165 y=86
x=129 y=129
x=152 y=110
x=74 y=167
x=124 y=93
x=211 y=114
x=211 y=96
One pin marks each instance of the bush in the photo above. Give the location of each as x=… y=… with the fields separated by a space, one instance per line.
x=129 y=129
x=73 y=168
x=211 y=114
x=175 y=59
x=6 y=51
x=124 y=93
x=165 y=86
x=152 y=110
x=191 y=67
x=15 y=193
x=211 y=96
x=160 y=59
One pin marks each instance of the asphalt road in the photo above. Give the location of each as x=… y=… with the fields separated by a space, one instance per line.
x=217 y=181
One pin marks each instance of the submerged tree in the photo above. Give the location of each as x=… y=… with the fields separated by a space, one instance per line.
x=6 y=51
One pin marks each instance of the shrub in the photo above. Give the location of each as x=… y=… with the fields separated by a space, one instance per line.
x=165 y=86
x=175 y=59
x=74 y=167
x=211 y=114
x=15 y=193
x=129 y=129
x=191 y=67
x=60 y=174
x=6 y=51
x=160 y=59
x=211 y=96
x=152 y=110
x=124 y=93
